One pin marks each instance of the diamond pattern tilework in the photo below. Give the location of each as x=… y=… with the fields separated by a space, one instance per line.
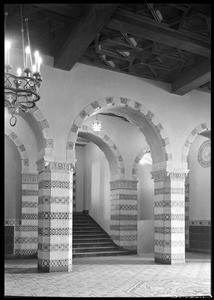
x=124 y=213
x=55 y=216
x=28 y=235
x=47 y=199
x=169 y=199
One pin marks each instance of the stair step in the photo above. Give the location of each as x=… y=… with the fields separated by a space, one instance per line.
x=95 y=249
x=88 y=234
x=108 y=253
x=94 y=244
x=92 y=240
x=87 y=230
x=84 y=222
x=89 y=239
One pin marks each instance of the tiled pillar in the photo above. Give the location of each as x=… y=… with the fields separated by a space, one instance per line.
x=123 y=224
x=169 y=212
x=28 y=235
x=187 y=212
x=55 y=216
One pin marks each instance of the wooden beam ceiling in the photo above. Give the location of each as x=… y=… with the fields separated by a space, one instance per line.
x=193 y=78
x=128 y=22
x=77 y=38
x=62 y=9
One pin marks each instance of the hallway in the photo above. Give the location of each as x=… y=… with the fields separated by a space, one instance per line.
x=124 y=276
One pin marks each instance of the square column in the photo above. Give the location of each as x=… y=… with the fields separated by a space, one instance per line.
x=187 y=212
x=55 y=208
x=28 y=230
x=169 y=212
x=123 y=224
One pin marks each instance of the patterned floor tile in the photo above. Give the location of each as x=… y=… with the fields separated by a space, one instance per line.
x=129 y=276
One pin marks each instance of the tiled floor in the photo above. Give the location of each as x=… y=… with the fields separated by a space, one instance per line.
x=124 y=276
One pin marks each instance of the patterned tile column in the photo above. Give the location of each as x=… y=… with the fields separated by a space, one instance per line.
x=55 y=216
x=187 y=212
x=169 y=211
x=123 y=224
x=28 y=235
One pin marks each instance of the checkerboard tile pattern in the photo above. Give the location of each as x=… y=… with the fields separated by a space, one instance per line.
x=169 y=213
x=187 y=212
x=28 y=231
x=123 y=224
x=55 y=208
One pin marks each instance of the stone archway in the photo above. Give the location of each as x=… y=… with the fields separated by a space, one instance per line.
x=25 y=233
x=185 y=151
x=114 y=157
x=21 y=148
x=159 y=134
x=169 y=214
x=139 y=156
x=42 y=131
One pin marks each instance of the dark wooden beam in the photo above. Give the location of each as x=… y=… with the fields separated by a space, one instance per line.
x=131 y=71
x=138 y=26
x=192 y=79
x=68 y=10
x=77 y=38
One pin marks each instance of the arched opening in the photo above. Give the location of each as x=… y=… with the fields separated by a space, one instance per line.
x=124 y=218
x=137 y=114
x=30 y=136
x=15 y=161
x=99 y=161
x=197 y=155
x=142 y=169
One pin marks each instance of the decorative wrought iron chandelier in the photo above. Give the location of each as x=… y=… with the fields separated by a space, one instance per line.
x=97 y=124
x=21 y=91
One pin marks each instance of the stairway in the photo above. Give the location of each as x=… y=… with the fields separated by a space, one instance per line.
x=89 y=239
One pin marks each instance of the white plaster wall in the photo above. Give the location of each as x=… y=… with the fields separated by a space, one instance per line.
x=145 y=189
x=199 y=184
x=145 y=236
x=98 y=194
x=80 y=182
x=12 y=181
x=64 y=94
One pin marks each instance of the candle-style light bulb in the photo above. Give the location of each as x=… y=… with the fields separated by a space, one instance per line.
x=7 y=45
x=39 y=63
x=7 y=52
x=19 y=71
x=34 y=68
x=27 y=51
x=36 y=55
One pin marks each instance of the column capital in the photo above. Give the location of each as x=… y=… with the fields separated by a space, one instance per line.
x=49 y=165
x=29 y=178
x=164 y=174
x=123 y=184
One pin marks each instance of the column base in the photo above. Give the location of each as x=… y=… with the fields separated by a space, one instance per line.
x=169 y=259
x=47 y=265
